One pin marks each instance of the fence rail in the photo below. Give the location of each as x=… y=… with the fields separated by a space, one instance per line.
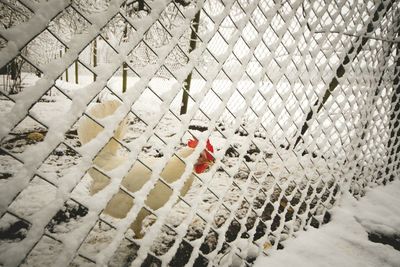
x=286 y=105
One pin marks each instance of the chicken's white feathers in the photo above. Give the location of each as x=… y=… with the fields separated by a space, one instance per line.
x=88 y=129
x=108 y=159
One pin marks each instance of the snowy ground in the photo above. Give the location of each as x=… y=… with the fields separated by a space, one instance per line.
x=345 y=240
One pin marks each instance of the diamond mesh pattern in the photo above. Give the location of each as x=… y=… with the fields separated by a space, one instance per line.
x=301 y=100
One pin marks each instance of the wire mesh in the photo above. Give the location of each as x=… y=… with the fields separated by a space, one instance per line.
x=299 y=99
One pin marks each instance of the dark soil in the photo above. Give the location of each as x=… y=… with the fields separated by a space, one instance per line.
x=391 y=240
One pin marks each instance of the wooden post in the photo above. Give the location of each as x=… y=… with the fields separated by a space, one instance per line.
x=188 y=80
x=124 y=76
x=125 y=65
x=76 y=72
x=61 y=77
x=66 y=71
x=94 y=51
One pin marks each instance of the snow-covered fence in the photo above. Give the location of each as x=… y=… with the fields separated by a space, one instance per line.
x=299 y=100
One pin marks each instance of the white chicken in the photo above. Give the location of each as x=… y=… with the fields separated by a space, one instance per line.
x=108 y=159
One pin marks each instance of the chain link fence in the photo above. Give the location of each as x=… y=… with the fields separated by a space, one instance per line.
x=293 y=102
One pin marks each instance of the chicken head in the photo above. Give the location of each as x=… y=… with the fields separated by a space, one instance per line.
x=206 y=159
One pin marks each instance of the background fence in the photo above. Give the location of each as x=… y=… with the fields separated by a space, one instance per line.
x=300 y=100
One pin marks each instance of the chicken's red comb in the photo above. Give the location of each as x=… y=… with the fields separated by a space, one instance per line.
x=209 y=146
x=192 y=143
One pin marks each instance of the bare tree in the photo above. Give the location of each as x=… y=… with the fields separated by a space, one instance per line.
x=11 y=14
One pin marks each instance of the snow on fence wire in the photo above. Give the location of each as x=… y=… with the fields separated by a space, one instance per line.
x=299 y=99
